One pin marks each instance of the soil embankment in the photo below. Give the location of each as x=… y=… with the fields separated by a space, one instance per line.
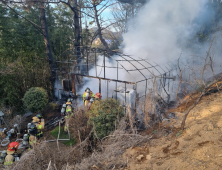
x=198 y=147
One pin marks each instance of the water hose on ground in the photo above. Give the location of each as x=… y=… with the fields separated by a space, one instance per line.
x=5 y=142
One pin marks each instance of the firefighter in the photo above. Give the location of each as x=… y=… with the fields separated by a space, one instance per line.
x=9 y=159
x=40 y=124
x=87 y=95
x=98 y=96
x=33 y=131
x=37 y=117
x=63 y=110
x=68 y=114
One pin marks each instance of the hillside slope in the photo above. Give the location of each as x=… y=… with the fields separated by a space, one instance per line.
x=198 y=147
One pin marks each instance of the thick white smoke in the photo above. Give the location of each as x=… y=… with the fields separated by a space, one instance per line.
x=110 y=73
x=160 y=32
x=164 y=30
x=161 y=29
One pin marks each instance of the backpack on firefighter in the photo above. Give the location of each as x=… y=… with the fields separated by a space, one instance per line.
x=32 y=135
x=40 y=124
x=67 y=109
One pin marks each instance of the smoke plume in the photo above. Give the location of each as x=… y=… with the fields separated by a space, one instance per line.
x=160 y=32
x=161 y=29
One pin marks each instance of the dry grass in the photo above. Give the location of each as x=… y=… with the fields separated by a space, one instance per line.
x=41 y=155
x=112 y=148
x=147 y=106
x=60 y=155
x=79 y=127
x=105 y=154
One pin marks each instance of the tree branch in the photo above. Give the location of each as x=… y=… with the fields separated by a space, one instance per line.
x=105 y=8
x=34 y=24
x=103 y=5
x=75 y=9
x=197 y=101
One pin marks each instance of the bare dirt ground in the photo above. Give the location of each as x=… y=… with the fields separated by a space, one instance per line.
x=198 y=147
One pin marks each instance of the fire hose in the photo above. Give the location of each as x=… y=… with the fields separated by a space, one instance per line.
x=5 y=142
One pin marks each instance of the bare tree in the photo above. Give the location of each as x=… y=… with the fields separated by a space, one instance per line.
x=208 y=62
x=98 y=25
x=74 y=6
x=41 y=7
x=94 y=10
x=122 y=12
x=180 y=78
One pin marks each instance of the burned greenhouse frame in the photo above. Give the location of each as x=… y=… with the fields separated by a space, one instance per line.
x=145 y=70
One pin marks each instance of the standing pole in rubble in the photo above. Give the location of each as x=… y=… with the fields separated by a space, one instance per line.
x=117 y=79
x=99 y=85
x=73 y=84
x=104 y=65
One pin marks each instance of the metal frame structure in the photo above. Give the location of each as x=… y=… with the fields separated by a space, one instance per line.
x=147 y=70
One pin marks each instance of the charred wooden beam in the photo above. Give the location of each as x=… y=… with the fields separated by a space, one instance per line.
x=99 y=85
x=73 y=85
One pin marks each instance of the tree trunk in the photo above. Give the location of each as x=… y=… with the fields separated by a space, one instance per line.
x=77 y=32
x=50 y=18
x=197 y=101
x=47 y=43
x=81 y=33
x=80 y=21
x=100 y=30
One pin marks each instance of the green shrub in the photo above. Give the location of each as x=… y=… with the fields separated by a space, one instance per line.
x=105 y=115
x=35 y=99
